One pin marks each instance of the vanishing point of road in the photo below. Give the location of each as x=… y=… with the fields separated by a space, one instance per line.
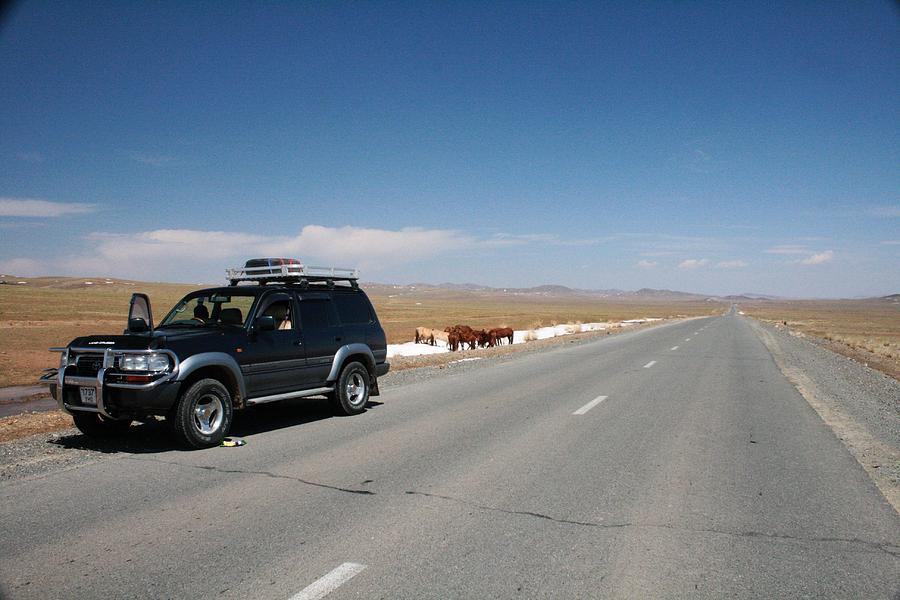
x=671 y=462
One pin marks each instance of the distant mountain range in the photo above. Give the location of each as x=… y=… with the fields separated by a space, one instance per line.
x=558 y=291
x=549 y=291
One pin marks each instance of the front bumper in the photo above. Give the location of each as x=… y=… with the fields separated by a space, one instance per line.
x=115 y=399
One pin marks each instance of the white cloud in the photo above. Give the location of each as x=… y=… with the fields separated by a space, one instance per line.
x=191 y=254
x=351 y=246
x=788 y=249
x=509 y=239
x=885 y=211
x=23 y=267
x=551 y=239
x=30 y=207
x=817 y=259
x=693 y=263
x=732 y=264
x=647 y=264
x=890 y=243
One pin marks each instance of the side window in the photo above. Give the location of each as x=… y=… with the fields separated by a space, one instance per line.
x=281 y=310
x=353 y=308
x=316 y=314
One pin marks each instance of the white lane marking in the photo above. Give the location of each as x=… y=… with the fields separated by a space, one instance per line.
x=674 y=348
x=687 y=339
x=590 y=405
x=650 y=364
x=330 y=582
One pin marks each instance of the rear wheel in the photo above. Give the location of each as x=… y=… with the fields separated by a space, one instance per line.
x=202 y=416
x=96 y=425
x=351 y=391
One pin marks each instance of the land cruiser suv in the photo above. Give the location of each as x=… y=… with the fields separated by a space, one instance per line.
x=280 y=330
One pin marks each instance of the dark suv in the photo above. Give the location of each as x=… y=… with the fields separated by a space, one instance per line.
x=278 y=331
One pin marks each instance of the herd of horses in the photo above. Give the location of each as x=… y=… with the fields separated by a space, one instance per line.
x=460 y=336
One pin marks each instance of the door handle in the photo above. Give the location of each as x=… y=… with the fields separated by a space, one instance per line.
x=337 y=339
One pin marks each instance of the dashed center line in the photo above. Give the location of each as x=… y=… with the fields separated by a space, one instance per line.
x=590 y=405
x=330 y=582
x=674 y=348
x=650 y=364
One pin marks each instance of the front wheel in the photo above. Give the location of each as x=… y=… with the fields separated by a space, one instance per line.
x=97 y=426
x=203 y=414
x=351 y=391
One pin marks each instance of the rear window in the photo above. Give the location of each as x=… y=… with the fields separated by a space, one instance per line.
x=353 y=308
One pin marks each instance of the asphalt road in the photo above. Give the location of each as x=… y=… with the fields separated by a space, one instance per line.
x=671 y=462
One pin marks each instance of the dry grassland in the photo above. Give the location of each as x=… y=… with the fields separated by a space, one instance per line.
x=866 y=330
x=401 y=315
x=51 y=312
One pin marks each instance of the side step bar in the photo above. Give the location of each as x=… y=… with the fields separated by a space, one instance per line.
x=288 y=395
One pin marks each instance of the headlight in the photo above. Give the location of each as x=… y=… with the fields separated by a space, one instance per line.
x=153 y=362
x=64 y=359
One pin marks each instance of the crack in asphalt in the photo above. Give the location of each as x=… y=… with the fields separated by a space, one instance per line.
x=884 y=547
x=264 y=473
x=519 y=512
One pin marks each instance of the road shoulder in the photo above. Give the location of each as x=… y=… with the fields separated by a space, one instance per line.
x=859 y=404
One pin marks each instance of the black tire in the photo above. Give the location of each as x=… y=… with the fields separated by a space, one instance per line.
x=203 y=414
x=351 y=390
x=96 y=425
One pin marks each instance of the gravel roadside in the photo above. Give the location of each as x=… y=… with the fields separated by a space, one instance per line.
x=860 y=404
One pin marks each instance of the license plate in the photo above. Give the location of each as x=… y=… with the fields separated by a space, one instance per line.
x=88 y=395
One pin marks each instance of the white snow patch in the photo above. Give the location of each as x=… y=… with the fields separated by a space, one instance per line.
x=414 y=349
x=462 y=360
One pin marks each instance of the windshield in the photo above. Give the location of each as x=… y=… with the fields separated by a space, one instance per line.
x=201 y=310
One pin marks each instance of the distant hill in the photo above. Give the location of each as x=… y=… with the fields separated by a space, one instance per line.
x=549 y=291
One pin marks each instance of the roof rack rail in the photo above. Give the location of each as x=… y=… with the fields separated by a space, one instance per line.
x=291 y=273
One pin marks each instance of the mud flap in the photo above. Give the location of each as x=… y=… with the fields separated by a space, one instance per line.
x=373 y=387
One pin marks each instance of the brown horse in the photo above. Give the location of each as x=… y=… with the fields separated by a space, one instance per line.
x=453 y=342
x=460 y=329
x=485 y=339
x=469 y=338
x=502 y=333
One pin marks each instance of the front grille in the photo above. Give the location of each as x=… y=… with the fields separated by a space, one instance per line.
x=87 y=365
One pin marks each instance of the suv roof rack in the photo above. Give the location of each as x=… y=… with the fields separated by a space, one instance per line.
x=292 y=273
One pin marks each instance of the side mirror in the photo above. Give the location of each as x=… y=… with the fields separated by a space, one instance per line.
x=265 y=323
x=137 y=325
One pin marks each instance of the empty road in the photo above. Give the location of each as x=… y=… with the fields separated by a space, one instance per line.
x=675 y=461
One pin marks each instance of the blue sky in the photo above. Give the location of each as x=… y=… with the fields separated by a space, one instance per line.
x=708 y=147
